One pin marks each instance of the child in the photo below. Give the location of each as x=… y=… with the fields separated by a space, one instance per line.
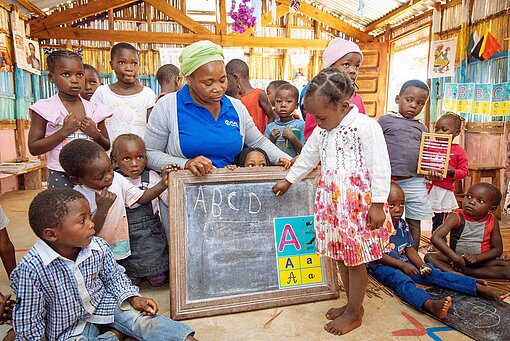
x=6 y=248
x=286 y=132
x=271 y=89
x=64 y=116
x=129 y=101
x=255 y=100
x=402 y=268
x=232 y=88
x=442 y=196
x=346 y=56
x=149 y=251
x=475 y=239
x=108 y=192
x=68 y=283
x=9 y=260
x=169 y=79
x=252 y=157
x=350 y=219
x=402 y=132
x=92 y=81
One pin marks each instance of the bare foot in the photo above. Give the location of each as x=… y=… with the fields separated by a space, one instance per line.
x=344 y=324
x=490 y=293
x=333 y=313
x=438 y=308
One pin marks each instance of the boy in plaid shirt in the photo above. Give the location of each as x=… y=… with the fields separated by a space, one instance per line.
x=68 y=284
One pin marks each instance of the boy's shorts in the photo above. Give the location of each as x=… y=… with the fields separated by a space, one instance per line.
x=417 y=198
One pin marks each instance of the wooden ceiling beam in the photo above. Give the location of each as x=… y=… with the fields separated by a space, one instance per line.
x=178 y=16
x=393 y=15
x=330 y=20
x=31 y=7
x=76 y=13
x=179 y=38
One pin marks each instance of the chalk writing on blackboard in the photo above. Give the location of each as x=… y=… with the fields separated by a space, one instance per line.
x=476 y=317
x=434 y=153
x=222 y=243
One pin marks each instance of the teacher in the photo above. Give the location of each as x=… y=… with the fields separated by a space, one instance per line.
x=199 y=127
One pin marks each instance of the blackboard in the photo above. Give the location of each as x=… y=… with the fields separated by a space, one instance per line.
x=222 y=242
x=476 y=317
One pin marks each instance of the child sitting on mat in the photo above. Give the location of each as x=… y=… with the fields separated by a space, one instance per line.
x=475 y=238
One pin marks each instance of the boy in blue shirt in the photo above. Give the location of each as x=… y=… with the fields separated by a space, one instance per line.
x=69 y=284
x=403 y=267
x=287 y=133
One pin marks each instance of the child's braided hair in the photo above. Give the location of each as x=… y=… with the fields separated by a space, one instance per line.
x=331 y=83
x=52 y=58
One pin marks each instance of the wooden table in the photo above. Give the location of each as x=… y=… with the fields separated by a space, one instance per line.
x=477 y=172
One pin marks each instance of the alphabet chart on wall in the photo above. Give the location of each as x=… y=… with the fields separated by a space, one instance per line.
x=298 y=264
x=434 y=153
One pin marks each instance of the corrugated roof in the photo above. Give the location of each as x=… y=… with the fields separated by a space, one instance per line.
x=346 y=10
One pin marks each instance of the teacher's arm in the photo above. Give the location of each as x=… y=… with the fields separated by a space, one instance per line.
x=160 y=137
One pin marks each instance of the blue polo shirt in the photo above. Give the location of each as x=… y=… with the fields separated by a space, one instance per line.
x=219 y=140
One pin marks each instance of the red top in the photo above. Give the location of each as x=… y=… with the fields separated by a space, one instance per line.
x=310 y=123
x=251 y=102
x=458 y=162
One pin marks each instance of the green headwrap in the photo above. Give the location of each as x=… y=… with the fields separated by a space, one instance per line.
x=198 y=54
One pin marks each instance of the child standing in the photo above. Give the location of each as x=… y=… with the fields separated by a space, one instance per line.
x=442 y=193
x=402 y=132
x=255 y=100
x=65 y=116
x=475 y=238
x=169 y=79
x=287 y=133
x=149 y=250
x=271 y=89
x=346 y=56
x=129 y=101
x=92 y=81
x=108 y=192
x=402 y=268
x=68 y=283
x=351 y=224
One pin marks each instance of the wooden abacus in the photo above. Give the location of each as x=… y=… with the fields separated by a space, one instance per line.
x=434 y=153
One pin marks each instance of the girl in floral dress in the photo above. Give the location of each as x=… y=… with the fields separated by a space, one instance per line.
x=352 y=224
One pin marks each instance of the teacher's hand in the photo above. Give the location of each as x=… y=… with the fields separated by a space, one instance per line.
x=199 y=165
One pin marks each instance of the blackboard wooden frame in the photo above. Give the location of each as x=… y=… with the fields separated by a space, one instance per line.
x=180 y=308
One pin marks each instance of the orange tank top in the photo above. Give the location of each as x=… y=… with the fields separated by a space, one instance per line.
x=251 y=102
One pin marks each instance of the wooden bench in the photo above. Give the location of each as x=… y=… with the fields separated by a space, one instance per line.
x=27 y=179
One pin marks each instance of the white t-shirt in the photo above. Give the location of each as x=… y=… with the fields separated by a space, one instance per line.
x=4 y=221
x=129 y=112
x=115 y=228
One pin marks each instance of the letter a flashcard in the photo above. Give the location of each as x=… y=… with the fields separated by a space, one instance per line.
x=297 y=262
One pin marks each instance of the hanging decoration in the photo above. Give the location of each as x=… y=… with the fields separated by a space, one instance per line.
x=243 y=18
x=294 y=6
x=361 y=8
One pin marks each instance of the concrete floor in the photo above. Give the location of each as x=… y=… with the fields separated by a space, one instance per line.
x=386 y=318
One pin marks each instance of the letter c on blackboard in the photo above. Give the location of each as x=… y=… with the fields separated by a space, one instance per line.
x=230 y=204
